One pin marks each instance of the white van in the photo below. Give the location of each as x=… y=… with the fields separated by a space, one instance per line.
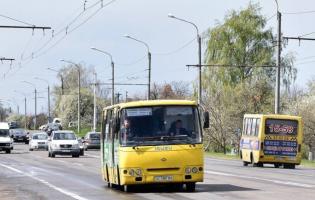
x=6 y=142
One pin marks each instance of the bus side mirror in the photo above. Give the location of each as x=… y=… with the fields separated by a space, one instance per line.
x=206 y=120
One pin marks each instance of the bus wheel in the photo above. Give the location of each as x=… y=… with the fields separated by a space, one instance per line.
x=260 y=164
x=190 y=187
x=277 y=165
x=289 y=166
x=245 y=164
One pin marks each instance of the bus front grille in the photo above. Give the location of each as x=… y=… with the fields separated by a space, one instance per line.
x=173 y=169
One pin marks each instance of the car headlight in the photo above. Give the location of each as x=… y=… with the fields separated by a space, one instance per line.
x=55 y=146
x=188 y=170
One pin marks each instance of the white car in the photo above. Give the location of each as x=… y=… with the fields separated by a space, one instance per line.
x=38 y=141
x=6 y=142
x=63 y=143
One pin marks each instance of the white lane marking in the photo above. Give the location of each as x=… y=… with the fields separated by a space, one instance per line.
x=261 y=179
x=92 y=155
x=68 y=193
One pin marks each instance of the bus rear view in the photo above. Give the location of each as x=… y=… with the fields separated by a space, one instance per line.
x=272 y=139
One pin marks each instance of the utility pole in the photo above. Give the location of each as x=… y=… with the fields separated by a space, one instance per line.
x=35 y=119
x=118 y=97
x=149 y=76
x=149 y=62
x=79 y=98
x=200 y=69
x=126 y=96
x=25 y=114
x=278 y=76
x=49 y=115
x=94 y=110
x=113 y=83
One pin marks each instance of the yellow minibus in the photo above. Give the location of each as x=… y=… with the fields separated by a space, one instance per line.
x=271 y=139
x=153 y=142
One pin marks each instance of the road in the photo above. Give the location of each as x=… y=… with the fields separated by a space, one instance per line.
x=32 y=175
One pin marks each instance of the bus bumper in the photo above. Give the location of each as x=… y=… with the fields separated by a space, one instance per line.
x=161 y=179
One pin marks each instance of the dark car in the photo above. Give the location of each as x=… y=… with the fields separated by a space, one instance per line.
x=19 y=135
x=52 y=127
x=92 y=140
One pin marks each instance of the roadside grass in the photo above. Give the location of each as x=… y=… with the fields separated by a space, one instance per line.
x=305 y=163
x=308 y=163
x=222 y=155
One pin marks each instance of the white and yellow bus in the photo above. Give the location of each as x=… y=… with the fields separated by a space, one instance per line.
x=152 y=142
x=271 y=139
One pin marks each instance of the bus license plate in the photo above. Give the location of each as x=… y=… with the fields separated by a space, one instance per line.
x=163 y=178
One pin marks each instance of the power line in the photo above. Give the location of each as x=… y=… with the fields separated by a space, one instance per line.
x=176 y=50
x=16 y=20
x=299 y=13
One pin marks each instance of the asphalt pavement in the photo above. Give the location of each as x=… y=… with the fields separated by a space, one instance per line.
x=33 y=175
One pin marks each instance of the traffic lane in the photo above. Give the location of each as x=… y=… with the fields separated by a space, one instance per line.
x=215 y=186
x=299 y=176
x=56 y=180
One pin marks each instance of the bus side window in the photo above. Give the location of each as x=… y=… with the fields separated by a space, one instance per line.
x=257 y=127
x=108 y=124
x=253 y=130
x=249 y=126
x=244 y=126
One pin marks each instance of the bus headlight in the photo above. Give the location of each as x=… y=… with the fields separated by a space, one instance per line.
x=131 y=172
x=194 y=169
x=138 y=172
x=188 y=170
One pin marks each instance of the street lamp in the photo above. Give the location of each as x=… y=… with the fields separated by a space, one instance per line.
x=35 y=120
x=149 y=60
x=61 y=77
x=48 y=91
x=113 y=72
x=25 y=114
x=79 y=88
x=199 y=53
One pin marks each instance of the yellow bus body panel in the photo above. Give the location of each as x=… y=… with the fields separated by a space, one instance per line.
x=258 y=155
x=157 y=161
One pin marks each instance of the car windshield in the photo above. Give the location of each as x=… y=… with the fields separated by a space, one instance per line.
x=40 y=137
x=64 y=136
x=4 y=132
x=18 y=131
x=95 y=136
x=160 y=125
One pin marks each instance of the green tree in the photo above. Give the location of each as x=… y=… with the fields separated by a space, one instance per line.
x=242 y=41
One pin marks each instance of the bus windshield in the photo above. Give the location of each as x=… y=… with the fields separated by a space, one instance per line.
x=160 y=125
x=281 y=127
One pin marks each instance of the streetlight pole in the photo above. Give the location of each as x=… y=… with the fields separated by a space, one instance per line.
x=149 y=62
x=94 y=109
x=35 y=119
x=48 y=96
x=199 y=54
x=25 y=113
x=79 y=88
x=61 y=77
x=113 y=72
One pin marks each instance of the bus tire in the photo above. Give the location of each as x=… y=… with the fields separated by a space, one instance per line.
x=289 y=166
x=190 y=187
x=8 y=151
x=277 y=165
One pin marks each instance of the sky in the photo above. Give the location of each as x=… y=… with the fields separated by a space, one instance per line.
x=171 y=42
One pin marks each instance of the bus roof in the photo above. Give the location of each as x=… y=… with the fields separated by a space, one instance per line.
x=153 y=103
x=275 y=116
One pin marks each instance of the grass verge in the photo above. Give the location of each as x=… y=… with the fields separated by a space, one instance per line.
x=305 y=163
